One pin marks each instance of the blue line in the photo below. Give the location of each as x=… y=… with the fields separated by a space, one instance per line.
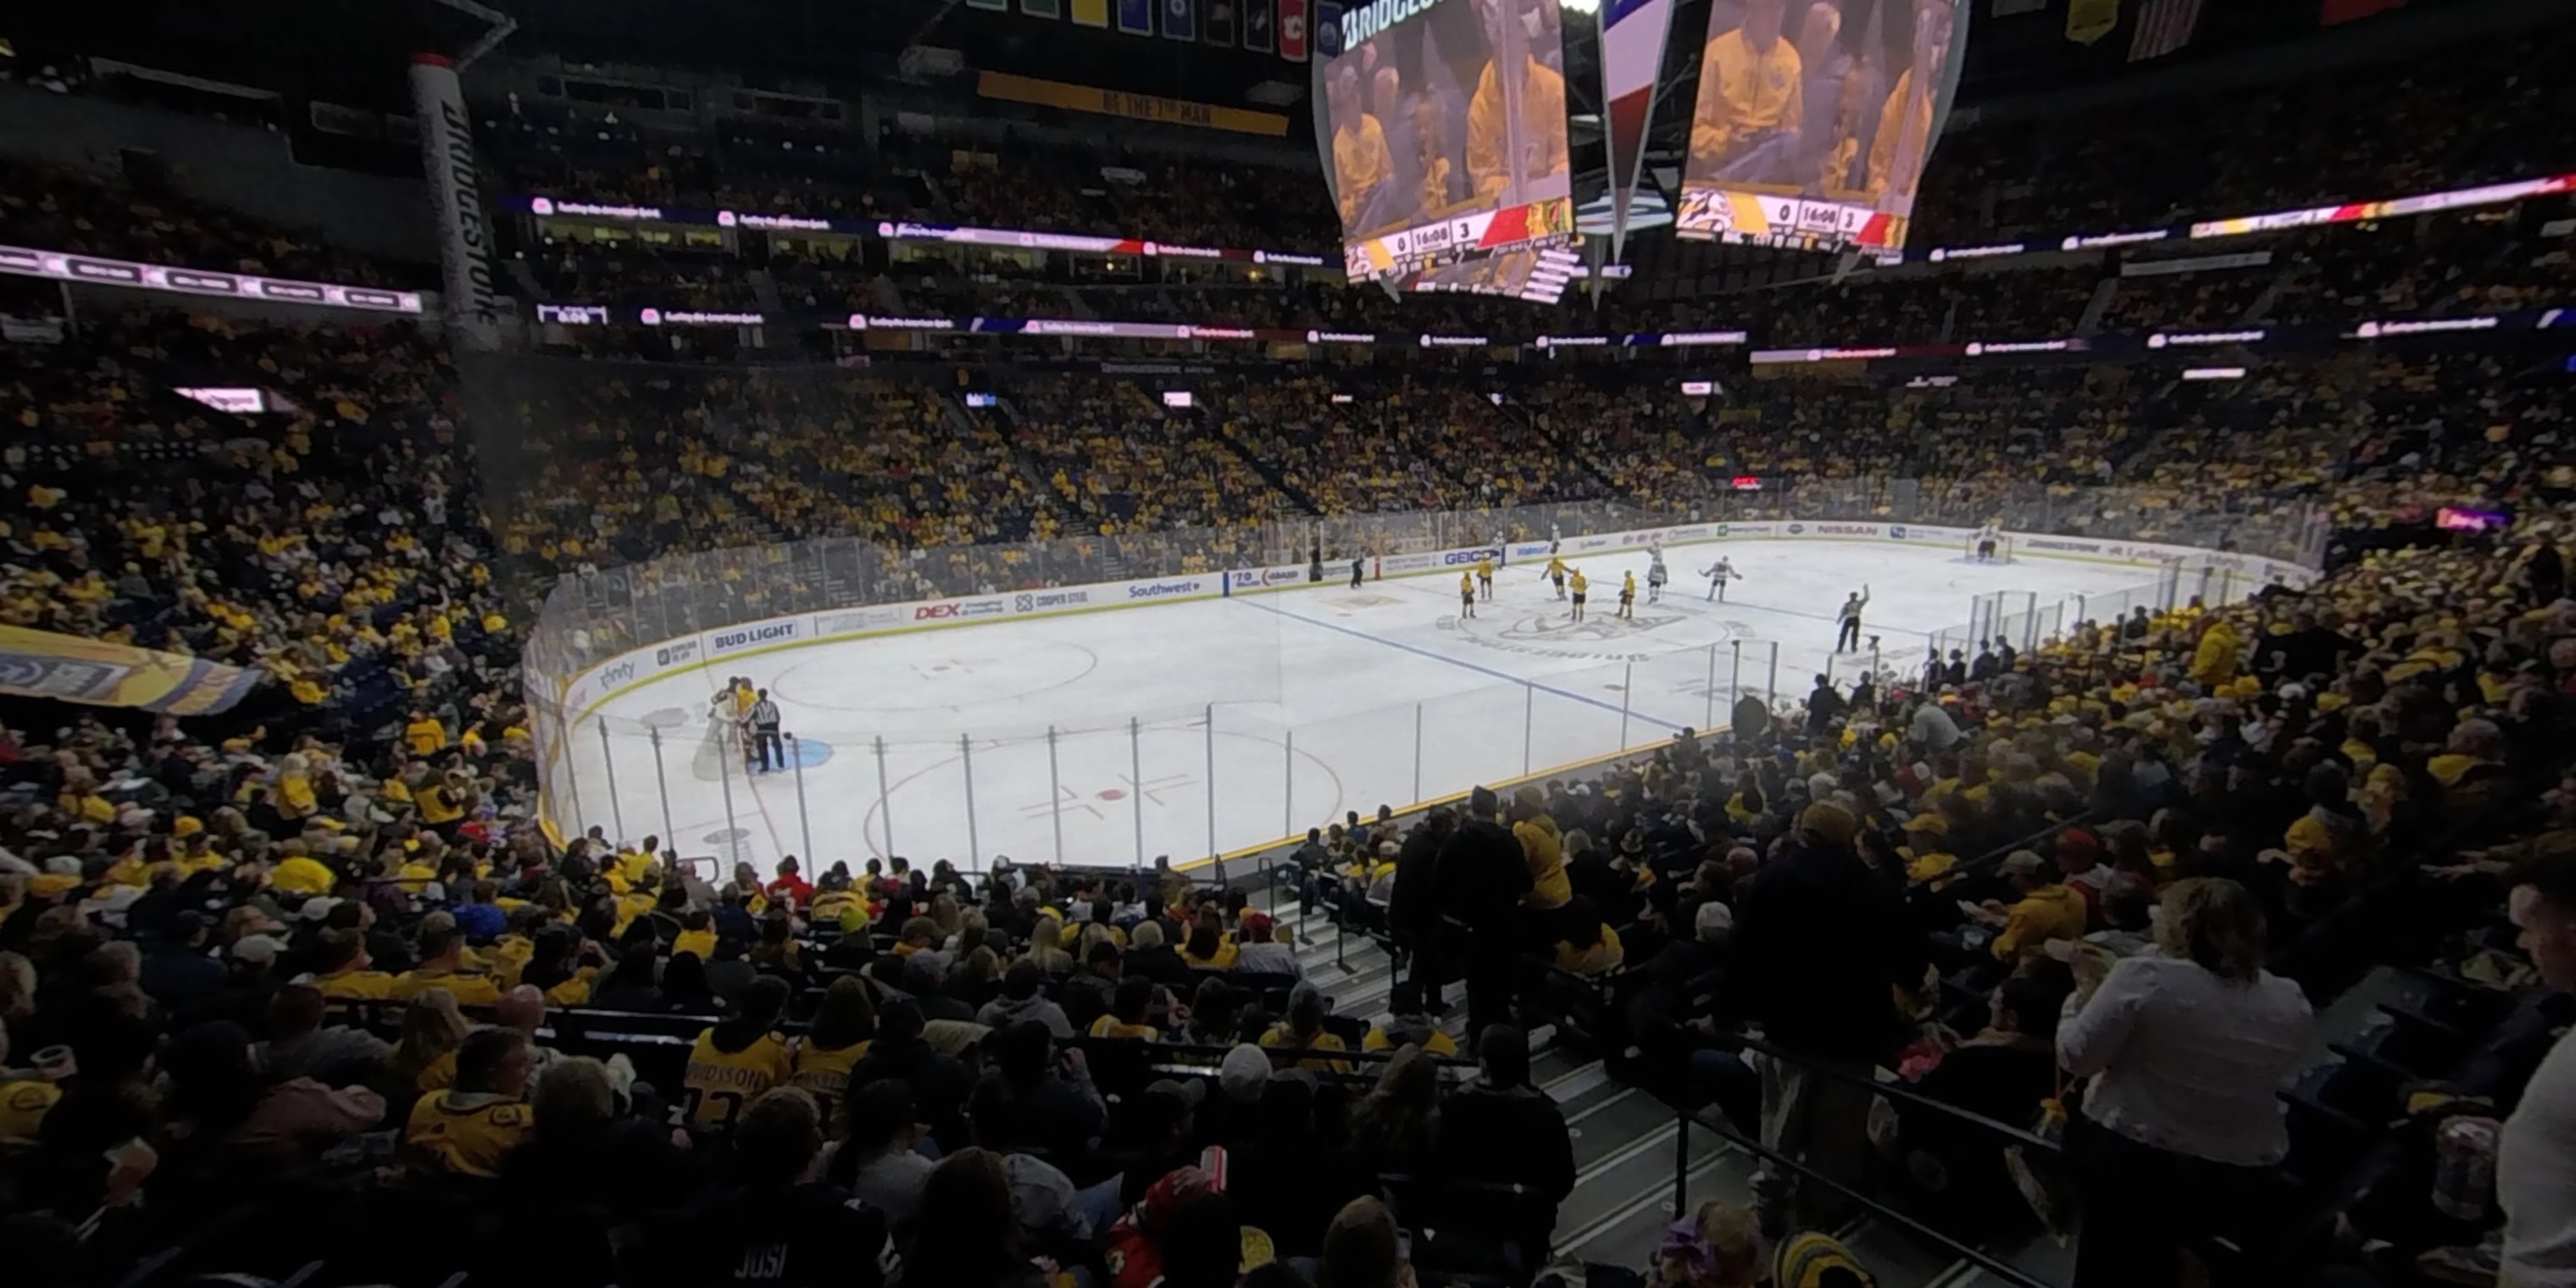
x=1631 y=712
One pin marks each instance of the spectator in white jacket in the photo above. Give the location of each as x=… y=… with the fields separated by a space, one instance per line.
x=2187 y=1048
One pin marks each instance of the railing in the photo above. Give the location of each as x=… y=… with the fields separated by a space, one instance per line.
x=1912 y=1226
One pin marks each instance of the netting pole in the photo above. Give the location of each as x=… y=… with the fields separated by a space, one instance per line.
x=1136 y=783
x=804 y=822
x=2030 y=624
x=572 y=780
x=616 y=815
x=974 y=845
x=1417 y=752
x=1055 y=797
x=1708 y=714
x=662 y=788
x=1211 y=779
x=1734 y=681
x=724 y=778
x=1288 y=783
x=1627 y=682
x=1773 y=687
x=1529 y=722
x=885 y=799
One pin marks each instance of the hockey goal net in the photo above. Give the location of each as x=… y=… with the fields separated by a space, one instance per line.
x=1974 y=547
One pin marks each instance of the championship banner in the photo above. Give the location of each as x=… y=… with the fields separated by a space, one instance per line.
x=1091 y=13
x=46 y=664
x=1328 y=30
x=1256 y=25
x=1632 y=53
x=1135 y=107
x=2090 y=20
x=1536 y=225
x=1047 y=9
x=1217 y=23
x=1181 y=19
x=1136 y=17
x=1292 y=30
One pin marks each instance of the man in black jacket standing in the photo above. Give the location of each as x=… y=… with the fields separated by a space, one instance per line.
x=1816 y=947
x=1413 y=917
x=1478 y=886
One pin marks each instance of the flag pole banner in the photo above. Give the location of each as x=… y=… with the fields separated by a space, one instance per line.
x=2163 y=27
x=47 y=664
x=1633 y=33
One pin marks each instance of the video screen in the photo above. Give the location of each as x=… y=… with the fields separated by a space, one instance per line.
x=1447 y=132
x=1814 y=118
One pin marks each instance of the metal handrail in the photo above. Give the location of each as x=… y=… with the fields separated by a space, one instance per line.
x=1986 y=1261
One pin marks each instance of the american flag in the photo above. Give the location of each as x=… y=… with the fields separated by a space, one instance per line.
x=2163 y=27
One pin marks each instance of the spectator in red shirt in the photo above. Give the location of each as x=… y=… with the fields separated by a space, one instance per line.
x=789 y=888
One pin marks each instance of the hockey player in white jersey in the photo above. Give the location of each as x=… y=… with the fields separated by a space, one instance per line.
x=1989 y=540
x=1656 y=576
x=1718 y=574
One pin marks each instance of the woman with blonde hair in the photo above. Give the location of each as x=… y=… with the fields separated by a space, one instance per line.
x=2188 y=1048
x=1046 y=935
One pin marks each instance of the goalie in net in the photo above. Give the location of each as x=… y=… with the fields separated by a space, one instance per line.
x=728 y=731
x=1990 y=545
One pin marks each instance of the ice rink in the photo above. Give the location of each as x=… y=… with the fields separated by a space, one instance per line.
x=1104 y=737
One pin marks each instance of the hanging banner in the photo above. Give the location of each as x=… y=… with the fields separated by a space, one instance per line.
x=1135 y=107
x=1328 y=41
x=456 y=190
x=1136 y=17
x=1632 y=53
x=2090 y=20
x=1047 y=9
x=1091 y=13
x=1256 y=25
x=1292 y=29
x=46 y=664
x=1180 y=19
x=1217 y=24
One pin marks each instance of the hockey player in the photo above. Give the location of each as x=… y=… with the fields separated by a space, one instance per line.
x=1467 y=594
x=1849 y=616
x=1718 y=574
x=1580 y=586
x=1358 y=565
x=1989 y=539
x=1485 y=575
x=1656 y=576
x=1628 y=596
x=1555 y=572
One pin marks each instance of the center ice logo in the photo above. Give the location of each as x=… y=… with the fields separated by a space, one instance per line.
x=1552 y=635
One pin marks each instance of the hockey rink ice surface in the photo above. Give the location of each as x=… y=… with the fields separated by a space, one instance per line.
x=1304 y=704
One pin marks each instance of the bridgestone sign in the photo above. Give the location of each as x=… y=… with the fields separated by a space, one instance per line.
x=465 y=239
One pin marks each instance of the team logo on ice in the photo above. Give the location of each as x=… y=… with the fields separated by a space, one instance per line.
x=1553 y=636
